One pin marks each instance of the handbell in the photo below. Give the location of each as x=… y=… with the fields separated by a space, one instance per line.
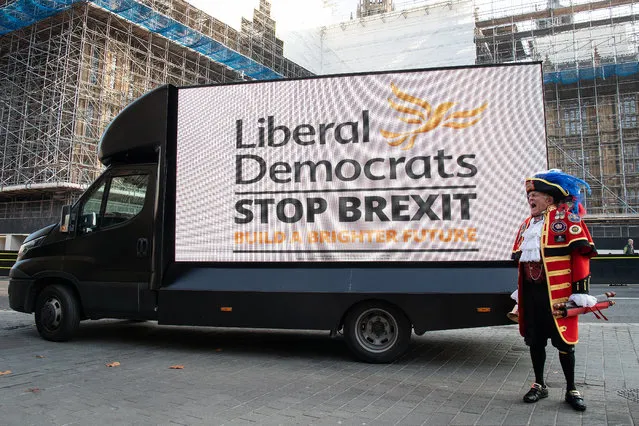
x=514 y=314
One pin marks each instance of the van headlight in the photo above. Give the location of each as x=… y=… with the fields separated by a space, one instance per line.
x=24 y=248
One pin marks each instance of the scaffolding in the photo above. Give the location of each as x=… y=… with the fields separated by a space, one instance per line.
x=373 y=7
x=590 y=54
x=65 y=76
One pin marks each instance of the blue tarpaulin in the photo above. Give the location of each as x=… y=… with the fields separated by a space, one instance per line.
x=22 y=13
x=572 y=76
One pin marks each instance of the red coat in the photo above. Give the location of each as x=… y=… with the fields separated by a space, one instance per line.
x=566 y=249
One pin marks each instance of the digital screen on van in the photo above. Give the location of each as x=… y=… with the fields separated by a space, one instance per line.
x=388 y=167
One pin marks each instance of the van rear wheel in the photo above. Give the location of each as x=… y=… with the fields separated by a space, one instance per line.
x=377 y=332
x=57 y=313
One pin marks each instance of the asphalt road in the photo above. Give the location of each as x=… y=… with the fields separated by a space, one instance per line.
x=4 y=297
x=626 y=309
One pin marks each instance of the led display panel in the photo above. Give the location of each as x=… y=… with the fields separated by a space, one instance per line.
x=410 y=166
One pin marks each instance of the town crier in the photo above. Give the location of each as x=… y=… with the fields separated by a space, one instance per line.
x=553 y=250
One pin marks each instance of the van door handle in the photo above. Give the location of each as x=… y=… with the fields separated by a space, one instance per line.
x=142 y=247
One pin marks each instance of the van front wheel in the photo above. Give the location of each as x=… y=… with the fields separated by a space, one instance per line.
x=377 y=332
x=57 y=313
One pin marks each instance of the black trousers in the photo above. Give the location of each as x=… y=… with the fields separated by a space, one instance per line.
x=538 y=319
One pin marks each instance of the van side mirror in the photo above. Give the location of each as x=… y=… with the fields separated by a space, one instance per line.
x=65 y=219
x=88 y=222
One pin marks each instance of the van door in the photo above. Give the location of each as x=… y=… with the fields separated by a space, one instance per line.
x=110 y=254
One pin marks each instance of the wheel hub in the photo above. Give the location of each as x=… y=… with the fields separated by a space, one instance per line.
x=52 y=313
x=377 y=330
x=379 y=327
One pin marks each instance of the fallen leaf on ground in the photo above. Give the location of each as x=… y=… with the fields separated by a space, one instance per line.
x=34 y=390
x=4 y=373
x=113 y=364
x=177 y=367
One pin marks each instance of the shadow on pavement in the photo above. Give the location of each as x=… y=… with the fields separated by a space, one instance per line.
x=209 y=339
x=445 y=346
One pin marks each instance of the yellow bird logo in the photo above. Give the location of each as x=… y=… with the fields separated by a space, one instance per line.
x=426 y=118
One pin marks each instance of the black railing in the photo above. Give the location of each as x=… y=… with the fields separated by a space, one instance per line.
x=7 y=259
x=615 y=269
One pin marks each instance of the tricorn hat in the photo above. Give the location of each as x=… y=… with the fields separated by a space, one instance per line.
x=561 y=186
x=542 y=185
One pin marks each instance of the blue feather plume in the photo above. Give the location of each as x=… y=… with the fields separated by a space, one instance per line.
x=569 y=183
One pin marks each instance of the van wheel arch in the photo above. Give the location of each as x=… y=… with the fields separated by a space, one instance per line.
x=41 y=283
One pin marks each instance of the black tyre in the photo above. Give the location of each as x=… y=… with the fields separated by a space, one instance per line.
x=57 y=313
x=377 y=332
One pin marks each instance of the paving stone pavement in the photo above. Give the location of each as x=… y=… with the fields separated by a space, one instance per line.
x=457 y=377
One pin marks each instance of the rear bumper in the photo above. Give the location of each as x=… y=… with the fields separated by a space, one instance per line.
x=20 y=295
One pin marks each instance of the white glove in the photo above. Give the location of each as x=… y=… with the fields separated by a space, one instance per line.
x=515 y=295
x=583 y=300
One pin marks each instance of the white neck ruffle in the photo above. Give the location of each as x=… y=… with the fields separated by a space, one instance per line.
x=531 y=246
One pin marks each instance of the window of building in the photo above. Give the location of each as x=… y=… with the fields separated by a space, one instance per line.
x=631 y=150
x=112 y=71
x=628 y=107
x=631 y=155
x=574 y=157
x=95 y=66
x=89 y=128
x=574 y=121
